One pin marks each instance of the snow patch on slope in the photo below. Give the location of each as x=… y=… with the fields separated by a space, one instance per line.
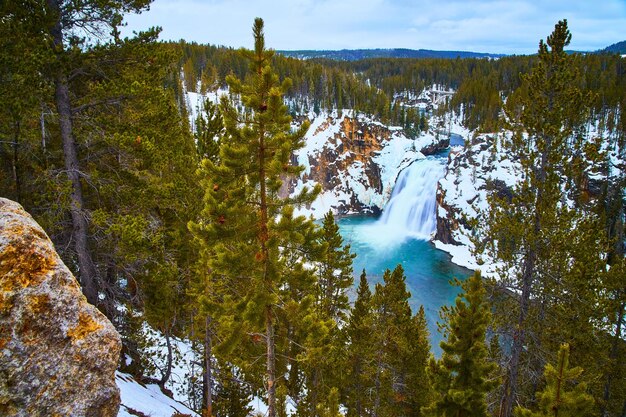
x=470 y=174
x=195 y=103
x=147 y=399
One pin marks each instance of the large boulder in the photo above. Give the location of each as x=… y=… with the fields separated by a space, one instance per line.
x=58 y=353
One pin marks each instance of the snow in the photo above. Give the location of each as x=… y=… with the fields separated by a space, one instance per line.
x=323 y=127
x=195 y=102
x=461 y=255
x=470 y=169
x=182 y=364
x=147 y=399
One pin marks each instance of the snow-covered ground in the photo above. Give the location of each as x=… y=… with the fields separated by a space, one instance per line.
x=147 y=399
x=475 y=169
x=195 y=103
x=465 y=187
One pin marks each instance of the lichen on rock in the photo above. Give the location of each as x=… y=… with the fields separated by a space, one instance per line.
x=58 y=353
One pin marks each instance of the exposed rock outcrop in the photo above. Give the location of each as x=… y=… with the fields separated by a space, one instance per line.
x=436 y=147
x=58 y=354
x=446 y=223
x=355 y=143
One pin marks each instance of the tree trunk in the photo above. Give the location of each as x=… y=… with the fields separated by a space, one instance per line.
x=314 y=390
x=192 y=391
x=613 y=356
x=510 y=388
x=377 y=384
x=86 y=267
x=358 y=388
x=294 y=388
x=208 y=369
x=264 y=238
x=16 y=174
x=165 y=376
x=528 y=272
x=271 y=363
x=42 y=124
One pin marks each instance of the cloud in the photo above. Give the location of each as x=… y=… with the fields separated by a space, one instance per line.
x=479 y=25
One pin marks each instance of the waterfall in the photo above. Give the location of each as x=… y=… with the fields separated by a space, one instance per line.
x=410 y=211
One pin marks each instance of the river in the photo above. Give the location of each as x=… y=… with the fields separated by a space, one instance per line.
x=400 y=236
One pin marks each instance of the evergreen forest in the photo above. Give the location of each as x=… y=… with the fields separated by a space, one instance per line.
x=177 y=228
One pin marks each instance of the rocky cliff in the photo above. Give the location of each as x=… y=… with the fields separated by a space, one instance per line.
x=356 y=160
x=473 y=172
x=58 y=354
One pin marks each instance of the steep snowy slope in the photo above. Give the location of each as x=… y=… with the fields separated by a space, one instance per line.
x=473 y=172
x=146 y=399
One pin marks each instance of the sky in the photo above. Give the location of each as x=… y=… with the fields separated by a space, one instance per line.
x=496 y=26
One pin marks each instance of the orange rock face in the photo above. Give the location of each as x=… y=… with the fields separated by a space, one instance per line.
x=355 y=141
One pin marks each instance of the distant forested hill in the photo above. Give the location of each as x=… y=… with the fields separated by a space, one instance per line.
x=618 y=48
x=358 y=54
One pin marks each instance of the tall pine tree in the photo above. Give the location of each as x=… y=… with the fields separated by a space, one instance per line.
x=67 y=19
x=562 y=396
x=461 y=377
x=324 y=348
x=334 y=271
x=360 y=353
x=255 y=242
x=401 y=350
x=545 y=117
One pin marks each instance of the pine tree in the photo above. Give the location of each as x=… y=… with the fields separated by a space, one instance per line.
x=461 y=377
x=561 y=397
x=209 y=128
x=99 y=114
x=360 y=352
x=330 y=407
x=334 y=270
x=143 y=191
x=419 y=391
x=232 y=394
x=392 y=315
x=324 y=347
x=530 y=229
x=23 y=92
x=254 y=243
x=66 y=17
x=399 y=338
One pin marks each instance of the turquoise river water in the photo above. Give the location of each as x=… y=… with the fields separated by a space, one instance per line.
x=400 y=237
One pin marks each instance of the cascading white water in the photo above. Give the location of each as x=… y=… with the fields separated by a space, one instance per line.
x=410 y=212
x=411 y=208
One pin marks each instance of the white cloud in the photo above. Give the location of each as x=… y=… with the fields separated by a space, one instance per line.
x=478 y=25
